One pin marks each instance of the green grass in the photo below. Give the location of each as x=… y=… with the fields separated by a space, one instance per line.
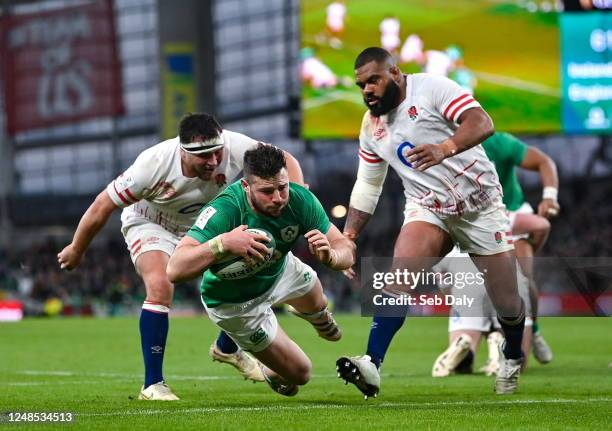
x=497 y=39
x=93 y=368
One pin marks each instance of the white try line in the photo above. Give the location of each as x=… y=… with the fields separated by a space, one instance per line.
x=139 y=376
x=70 y=382
x=116 y=375
x=372 y=404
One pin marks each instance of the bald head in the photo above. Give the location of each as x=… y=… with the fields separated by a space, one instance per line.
x=376 y=54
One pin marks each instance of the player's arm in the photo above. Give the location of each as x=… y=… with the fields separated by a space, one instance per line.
x=536 y=160
x=294 y=170
x=90 y=224
x=366 y=192
x=332 y=249
x=475 y=126
x=242 y=143
x=191 y=258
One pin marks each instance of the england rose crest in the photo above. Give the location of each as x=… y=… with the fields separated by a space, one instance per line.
x=412 y=112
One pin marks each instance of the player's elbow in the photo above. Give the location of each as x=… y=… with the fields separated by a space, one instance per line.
x=173 y=272
x=488 y=128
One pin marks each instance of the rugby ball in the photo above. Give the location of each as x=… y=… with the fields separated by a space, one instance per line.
x=234 y=267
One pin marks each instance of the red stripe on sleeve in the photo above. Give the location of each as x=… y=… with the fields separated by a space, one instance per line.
x=370 y=159
x=124 y=200
x=367 y=153
x=458 y=108
x=135 y=244
x=127 y=191
x=450 y=105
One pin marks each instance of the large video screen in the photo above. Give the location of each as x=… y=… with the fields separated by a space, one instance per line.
x=505 y=52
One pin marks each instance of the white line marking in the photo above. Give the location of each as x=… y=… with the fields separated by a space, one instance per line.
x=139 y=376
x=332 y=96
x=508 y=81
x=343 y=406
x=71 y=382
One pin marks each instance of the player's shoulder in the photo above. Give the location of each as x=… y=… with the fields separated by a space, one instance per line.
x=299 y=189
x=230 y=137
x=428 y=81
x=162 y=151
x=367 y=123
x=301 y=194
x=230 y=199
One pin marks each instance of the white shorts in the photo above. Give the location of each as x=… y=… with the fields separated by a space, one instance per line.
x=148 y=236
x=252 y=324
x=481 y=315
x=526 y=208
x=483 y=233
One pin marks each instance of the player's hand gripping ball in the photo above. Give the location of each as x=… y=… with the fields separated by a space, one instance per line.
x=234 y=267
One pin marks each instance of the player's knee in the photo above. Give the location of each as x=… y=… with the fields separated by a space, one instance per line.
x=543 y=225
x=508 y=306
x=159 y=288
x=301 y=373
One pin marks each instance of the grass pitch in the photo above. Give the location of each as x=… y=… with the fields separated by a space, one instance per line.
x=92 y=368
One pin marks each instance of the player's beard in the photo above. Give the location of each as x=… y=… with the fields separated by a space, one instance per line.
x=388 y=101
x=271 y=212
x=204 y=174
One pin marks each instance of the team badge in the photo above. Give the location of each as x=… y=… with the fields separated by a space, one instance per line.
x=498 y=237
x=289 y=233
x=412 y=112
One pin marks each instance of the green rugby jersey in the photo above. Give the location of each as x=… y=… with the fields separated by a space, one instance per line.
x=507 y=152
x=231 y=209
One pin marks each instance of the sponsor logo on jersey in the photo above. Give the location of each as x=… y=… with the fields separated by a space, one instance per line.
x=412 y=112
x=401 y=150
x=258 y=336
x=204 y=217
x=380 y=133
x=289 y=233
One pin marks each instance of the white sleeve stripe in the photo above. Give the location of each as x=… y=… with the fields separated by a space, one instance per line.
x=462 y=108
x=367 y=153
x=370 y=159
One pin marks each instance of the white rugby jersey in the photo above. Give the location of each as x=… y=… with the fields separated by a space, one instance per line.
x=154 y=187
x=464 y=183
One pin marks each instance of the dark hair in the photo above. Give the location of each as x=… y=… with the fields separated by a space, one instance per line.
x=373 y=53
x=198 y=124
x=265 y=161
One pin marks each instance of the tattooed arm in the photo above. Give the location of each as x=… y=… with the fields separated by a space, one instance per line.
x=355 y=222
